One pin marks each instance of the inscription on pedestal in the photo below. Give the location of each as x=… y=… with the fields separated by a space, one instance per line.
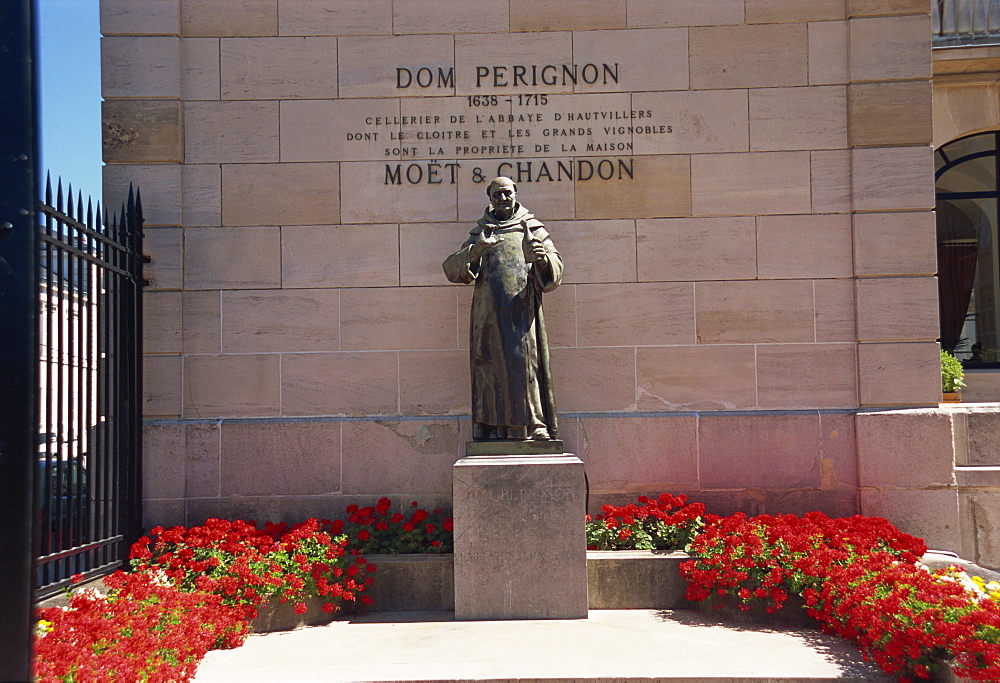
x=520 y=547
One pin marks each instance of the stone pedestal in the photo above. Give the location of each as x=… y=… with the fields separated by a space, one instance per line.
x=520 y=543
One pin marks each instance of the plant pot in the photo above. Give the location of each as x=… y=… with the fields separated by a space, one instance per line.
x=951 y=397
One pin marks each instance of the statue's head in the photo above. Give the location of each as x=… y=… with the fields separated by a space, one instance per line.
x=503 y=197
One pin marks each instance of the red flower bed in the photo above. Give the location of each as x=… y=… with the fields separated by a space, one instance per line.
x=377 y=529
x=246 y=565
x=666 y=523
x=860 y=578
x=143 y=629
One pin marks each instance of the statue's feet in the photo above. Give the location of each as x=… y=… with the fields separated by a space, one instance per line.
x=540 y=434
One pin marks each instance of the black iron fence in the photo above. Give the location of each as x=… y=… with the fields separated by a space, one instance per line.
x=87 y=477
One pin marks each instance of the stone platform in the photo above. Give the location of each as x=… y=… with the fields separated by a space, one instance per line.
x=611 y=645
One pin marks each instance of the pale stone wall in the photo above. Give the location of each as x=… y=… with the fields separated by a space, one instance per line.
x=759 y=272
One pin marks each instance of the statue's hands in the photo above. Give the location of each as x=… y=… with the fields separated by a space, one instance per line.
x=482 y=243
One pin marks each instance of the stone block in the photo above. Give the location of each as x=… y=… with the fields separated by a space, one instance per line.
x=629 y=50
x=163 y=246
x=507 y=50
x=280 y=458
x=538 y=499
x=839 y=450
x=449 y=16
x=231 y=386
x=761 y=311
x=413 y=457
x=153 y=17
x=634 y=196
x=657 y=314
x=298 y=320
x=392 y=319
x=807 y=376
x=424 y=246
x=434 y=383
x=985 y=508
x=798 y=118
x=891 y=113
x=714 y=377
x=340 y=256
x=981 y=386
x=339 y=384
x=202 y=453
x=278 y=68
x=229 y=18
x=342 y=18
x=751 y=56
x=163 y=451
x=413 y=582
x=280 y=194
x=596 y=251
x=899 y=373
x=314 y=130
x=140 y=66
x=905 y=449
x=202 y=322
x=984 y=437
x=138 y=131
x=931 y=515
x=232 y=258
x=771 y=12
x=828 y=58
x=812 y=246
x=887 y=178
x=161 y=206
x=367 y=65
x=958 y=110
x=754 y=183
x=765 y=451
x=566 y=15
x=161 y=387
x=560 y=318
x=373 y=192
x=831 y=503
x=636 y=579
x=831 y=181
x=548 y=201
x=201 y=195
x=161 y=323
x=886 y=48
x=835 y=311
x=684 y=12
x=230 y=132
x=860 y=8
x=200 y=68
x=165 y=513
x=690 y=249
x=898 y=309
x=701 y=121
x=662 y=453
x=576 y=371
x=895 y=243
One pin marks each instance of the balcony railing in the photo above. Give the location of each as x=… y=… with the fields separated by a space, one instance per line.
x=966 y=22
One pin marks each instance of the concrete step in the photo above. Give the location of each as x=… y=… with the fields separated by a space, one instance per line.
x=610 y=645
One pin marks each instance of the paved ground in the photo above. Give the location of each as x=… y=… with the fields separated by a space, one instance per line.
x=612 y=645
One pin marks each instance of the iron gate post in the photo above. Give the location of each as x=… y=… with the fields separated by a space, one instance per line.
x=18 y=312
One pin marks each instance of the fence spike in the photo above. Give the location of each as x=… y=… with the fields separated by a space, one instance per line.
x=69 y=201
x=90 y=213
x=138 y=207
x=59 y=195
x=48 y=188
x=79 y=205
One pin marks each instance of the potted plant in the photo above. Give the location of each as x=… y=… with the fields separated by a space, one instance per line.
x=952 y=378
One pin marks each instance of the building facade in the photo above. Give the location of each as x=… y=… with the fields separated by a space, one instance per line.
x=742 y=191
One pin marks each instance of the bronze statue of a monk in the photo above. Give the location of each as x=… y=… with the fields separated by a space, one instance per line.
x=512 y=261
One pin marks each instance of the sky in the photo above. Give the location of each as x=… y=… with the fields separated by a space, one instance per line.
x=69 y=55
